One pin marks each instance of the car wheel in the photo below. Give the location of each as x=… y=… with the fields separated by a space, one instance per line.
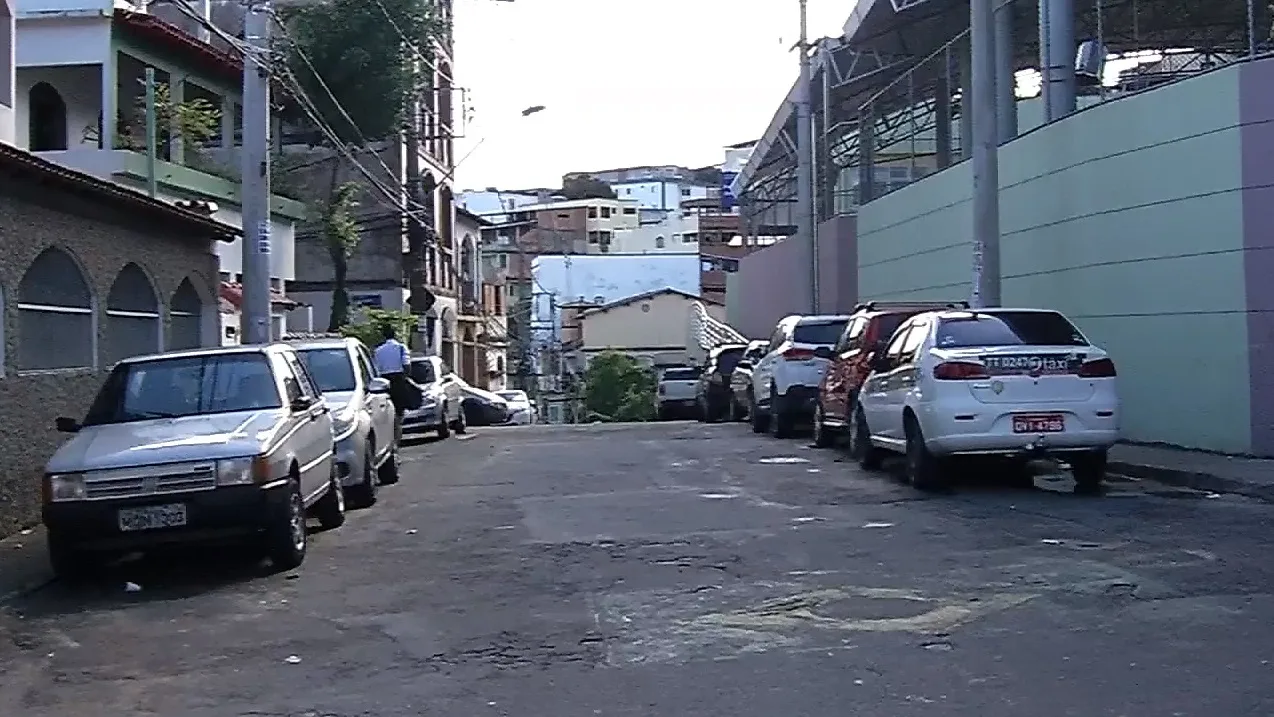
x=1089 y=471
x=388 y=472
x=869 y=457
x=444 y=428
x=822 y=437
x=363 y=495
x=760 y=421
x=780 y=421
x=330 y=510
x=286 y=538
x=68 y=563
x=924 y=471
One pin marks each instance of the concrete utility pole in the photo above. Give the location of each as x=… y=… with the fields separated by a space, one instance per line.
x=805 y=159
x=255 y=311
x=986 y=162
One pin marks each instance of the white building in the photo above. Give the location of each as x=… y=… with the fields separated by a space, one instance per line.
x=79 y=61
x=494 y=204
x=659 y=193
x=676 y=233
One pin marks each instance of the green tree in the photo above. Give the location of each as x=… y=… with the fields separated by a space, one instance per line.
x=353 y=48
x=586 y=188
x=339 y=231
x=370 y=329
x=618 y=388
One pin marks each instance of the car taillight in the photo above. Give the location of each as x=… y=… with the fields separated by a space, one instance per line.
x=798 y=355
x=959 y=371
x=1101 y=368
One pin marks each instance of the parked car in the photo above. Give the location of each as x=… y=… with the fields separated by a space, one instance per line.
x=869 y=329
x=1015 y=383
x=712 y=390
x=482 y=407
x=362 y=414
x=785 y=380
x=441 y=406
x=675 y=392
x=741 y=379
x=227 y=443
x=521 y=408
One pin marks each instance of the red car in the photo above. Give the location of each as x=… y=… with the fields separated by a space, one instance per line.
x=868 y=331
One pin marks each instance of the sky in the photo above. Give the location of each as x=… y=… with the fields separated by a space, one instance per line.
x=623 y=82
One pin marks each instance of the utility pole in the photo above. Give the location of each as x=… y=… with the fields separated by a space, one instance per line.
x=986 y=161
x=255 y=310
x=805 y=159
x=420 y=220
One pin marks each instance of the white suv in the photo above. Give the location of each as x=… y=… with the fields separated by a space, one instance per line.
x=785 y=380
x=1020 y=383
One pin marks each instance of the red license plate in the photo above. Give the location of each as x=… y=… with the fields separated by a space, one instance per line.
x=1043 y=423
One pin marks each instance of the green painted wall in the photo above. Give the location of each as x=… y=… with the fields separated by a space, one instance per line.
x=1127 y=217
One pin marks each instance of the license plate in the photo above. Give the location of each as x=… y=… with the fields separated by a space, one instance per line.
x=1031 y=365
x=1047 y=423
x=152 y=517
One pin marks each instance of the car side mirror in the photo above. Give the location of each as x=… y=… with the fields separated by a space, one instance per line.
x=67 y=425
x=302 y=403
x=378 y=385
x=823 y=352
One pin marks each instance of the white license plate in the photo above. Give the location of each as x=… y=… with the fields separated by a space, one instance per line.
x=1045 y=423
x=152 y=517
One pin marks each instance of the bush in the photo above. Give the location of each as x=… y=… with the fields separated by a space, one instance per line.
x=370 y=328
x=619 y=388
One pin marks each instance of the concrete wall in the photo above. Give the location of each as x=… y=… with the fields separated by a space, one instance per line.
x=650 y=326
x=1128 y=217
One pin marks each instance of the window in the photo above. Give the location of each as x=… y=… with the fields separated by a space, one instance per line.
x=366 y=366
x=185 y=323
x=630 y=210
x=132 y=316
x=331 y=368
x=685 y=192
x=659 y=242
x=422 y=371
x=56 y=327
x=680 y=374
x=47 y=118
x=852 y=332
x=895 y=348
x=728 y=359
x=919 y=332
x=594 y=237
x=605 y=212
x=309 y=387
x=690 y=238
x=886 y=325
x=172 y=387
x=1010 y=328
x=823 y=333
x=592 y=213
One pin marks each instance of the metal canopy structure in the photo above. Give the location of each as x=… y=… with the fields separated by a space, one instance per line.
x=889 y=59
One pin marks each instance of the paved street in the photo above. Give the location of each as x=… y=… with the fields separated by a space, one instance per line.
x=682 y=569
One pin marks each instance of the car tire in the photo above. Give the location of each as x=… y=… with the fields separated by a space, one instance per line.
x=444 y=428
x=330 y=509
x=760 y=421
x=869 y=457
x=388 y=471
x=924 y=470
x=286 y=538
x=363 y=495
x=822 y=437
x=1089 y=471
x=780 y=421
x=68 y=563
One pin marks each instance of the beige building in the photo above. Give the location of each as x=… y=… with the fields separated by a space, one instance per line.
x=652 y=326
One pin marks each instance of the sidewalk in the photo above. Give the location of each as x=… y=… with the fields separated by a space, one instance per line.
x=24 y=563
x=1252 y=477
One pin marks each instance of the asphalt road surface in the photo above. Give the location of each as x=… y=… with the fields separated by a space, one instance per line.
x=682 y=569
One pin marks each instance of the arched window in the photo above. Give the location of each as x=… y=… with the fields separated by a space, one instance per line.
x=46 y=118
x=132 y=316
x=56 y=328
x=185 y=321
x=659 y=242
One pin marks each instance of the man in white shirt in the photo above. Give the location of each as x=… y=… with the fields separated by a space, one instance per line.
x=392 y=360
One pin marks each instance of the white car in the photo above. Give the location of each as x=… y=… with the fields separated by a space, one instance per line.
x=785 y=379
x=1020 y=383
x=520 y=411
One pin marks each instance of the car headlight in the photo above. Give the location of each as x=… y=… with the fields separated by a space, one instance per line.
x=236 y=471
x=343 y=424
x=66 y=486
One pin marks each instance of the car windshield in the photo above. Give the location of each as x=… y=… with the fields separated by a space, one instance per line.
x=186 y=386
x=680 y=374
x=728 y=359
x=513 y=396
x=1009 y=328
x=422 y=371
x=823 y=333
x=332 y=369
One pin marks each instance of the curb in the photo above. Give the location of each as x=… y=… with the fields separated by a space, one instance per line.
x=1197 y=480
x=24 y=564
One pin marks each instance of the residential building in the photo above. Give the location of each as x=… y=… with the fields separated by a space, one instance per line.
x=482 y=354
x=651 y=326
x=80 y=103
x=674 y=232
x=661 y=188
x=494 y=204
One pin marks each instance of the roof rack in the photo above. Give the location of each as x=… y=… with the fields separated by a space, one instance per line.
x=873 y=305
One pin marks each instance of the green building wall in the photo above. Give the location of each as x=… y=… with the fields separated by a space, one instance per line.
x=1126 y=216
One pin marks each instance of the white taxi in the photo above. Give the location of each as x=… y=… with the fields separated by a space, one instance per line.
x=1009 y=382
